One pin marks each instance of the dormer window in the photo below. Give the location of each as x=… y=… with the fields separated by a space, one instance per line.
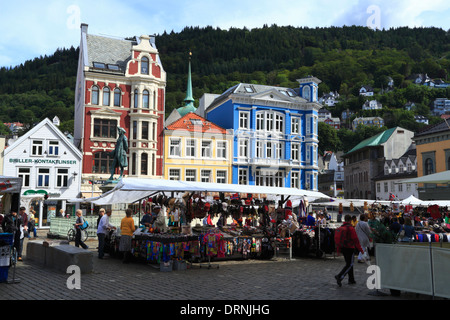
x=144 y=65
x=53 y=148
x=99 y=65
x=36 y=148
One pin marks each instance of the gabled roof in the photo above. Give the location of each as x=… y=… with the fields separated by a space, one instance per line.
x=374 y=141
x=192 y=122
x=36 y=128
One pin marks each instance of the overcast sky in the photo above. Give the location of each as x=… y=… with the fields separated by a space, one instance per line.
x=32 y=28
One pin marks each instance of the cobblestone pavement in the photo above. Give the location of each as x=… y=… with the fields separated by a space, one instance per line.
x=263 y=280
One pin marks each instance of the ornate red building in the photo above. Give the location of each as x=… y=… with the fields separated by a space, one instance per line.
x=119 y=83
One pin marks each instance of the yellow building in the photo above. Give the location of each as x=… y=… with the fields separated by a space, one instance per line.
x=197 y=150
x=433 y=156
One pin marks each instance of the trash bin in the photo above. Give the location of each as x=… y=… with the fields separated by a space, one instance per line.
x=6 y=241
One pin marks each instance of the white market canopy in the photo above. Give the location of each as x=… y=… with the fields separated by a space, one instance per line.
x=439 y=177
x=411 y=200
x=130 y=190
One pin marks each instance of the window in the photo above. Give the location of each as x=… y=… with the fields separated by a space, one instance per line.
x=222 y=149
x=24 y=173
x=295 y=126
x=269 y=121
x=400 y=187
x=295 y=152
x=144 y=164
x=53 y=148
x=378 y=187
x=43 y=177
x=190 y=175
x=102 y=162
x=259 y=149
x=205 y=176
x=36 y=148
x=94 y=95
x=269 y=151
x=117 y=96
x=135 y=129
x=105 y=128
x=243 y=148
x=243 y=120
x=175 y=147
x=386 y=189
x=62 y=178
x=206 y=149
x=190 y=148
x=106 y=93
x=221 y=176
x=278 y=150
x=260 y=121
x=174 y=174
x=242 y=176
x=429 y=167
x=133 y=163
x=144 y=130
x=136 y=98
x=145 y=99
x=295 y=180
x=144 y=65
x=278 y=122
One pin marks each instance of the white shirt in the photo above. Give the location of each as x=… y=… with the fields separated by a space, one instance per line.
x=104 y=224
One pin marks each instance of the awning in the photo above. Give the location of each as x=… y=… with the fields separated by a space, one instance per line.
x=439 y=177
x=129 y=190
x=10 y=184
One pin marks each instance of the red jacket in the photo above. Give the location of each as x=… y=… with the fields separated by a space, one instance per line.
x=346 y=237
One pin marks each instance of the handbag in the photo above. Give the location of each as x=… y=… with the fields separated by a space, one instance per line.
x=85 y=225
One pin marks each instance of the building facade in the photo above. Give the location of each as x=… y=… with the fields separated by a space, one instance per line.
x=366 y=160
x=120 y=83
x=433 y=155
x=197 y=150
x=49 y=165
x=367 y=121
x=391 y=185
x=275 y=133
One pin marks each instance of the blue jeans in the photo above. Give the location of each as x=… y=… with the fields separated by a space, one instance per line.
x=101 y=244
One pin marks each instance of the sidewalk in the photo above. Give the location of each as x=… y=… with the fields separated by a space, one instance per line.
x=237 y=280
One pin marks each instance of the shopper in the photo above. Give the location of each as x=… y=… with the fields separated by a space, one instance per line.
x=148 y=218
x=410 y=232
x=310 y=220
x=11 y=223
x=126 y=229
x=363 y=232
x=395 y=227
x=78 y=223
x=101 y=212
x=32 y=224
x=23 y=231
x=103 y=227
x=346 y=242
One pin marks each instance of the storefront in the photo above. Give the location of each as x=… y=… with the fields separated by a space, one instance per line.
x=50 y=166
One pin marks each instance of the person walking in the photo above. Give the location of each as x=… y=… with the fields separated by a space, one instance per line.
x=78 y=223
x=32 y=224
x=103 y=227
x=346 y=241
x=126 y=229
x=23 y=231
x=363 y=232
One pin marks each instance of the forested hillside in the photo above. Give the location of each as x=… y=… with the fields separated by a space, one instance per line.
x=344 y=58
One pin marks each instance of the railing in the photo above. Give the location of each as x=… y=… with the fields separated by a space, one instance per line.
x=61 y=226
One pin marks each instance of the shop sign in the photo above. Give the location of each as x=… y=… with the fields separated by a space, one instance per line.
x=43 y=161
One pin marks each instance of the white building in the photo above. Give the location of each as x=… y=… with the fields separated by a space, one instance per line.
x=372 y=105
x=50 y=167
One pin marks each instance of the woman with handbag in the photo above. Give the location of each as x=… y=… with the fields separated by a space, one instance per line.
x=78 y=224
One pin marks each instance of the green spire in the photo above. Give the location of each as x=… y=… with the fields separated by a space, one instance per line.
x=189 y=100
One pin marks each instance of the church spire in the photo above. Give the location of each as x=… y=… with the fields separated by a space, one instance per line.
x=189 y=100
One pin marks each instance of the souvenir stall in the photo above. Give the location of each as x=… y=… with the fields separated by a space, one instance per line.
x=201 y=222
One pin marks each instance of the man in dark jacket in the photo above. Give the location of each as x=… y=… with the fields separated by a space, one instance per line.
x=347 y=241
x=11 y=224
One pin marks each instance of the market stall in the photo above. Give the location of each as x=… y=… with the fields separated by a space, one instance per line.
x=207 y=221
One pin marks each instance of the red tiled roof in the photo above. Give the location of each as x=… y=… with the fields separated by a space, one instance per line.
x=198 y=124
